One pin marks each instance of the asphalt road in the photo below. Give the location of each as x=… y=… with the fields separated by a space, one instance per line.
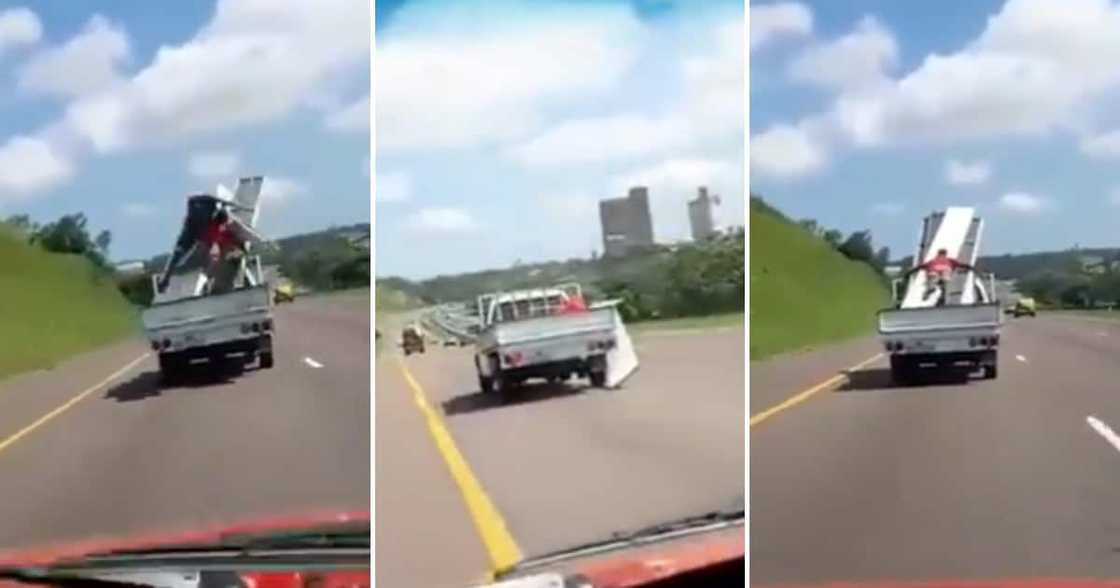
x=82 y=457
x=980 y=480
x=562 y=465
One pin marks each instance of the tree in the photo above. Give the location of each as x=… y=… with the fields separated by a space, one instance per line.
x=833 y=237
x=104 y=238
x=810 y=225
x=883 y=258
x=858 y=247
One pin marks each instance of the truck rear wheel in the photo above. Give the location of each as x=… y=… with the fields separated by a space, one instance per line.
x=902 y=369
x=266 y=352
x=597 y=371
x=171 y=367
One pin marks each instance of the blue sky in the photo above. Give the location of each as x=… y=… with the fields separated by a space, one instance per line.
x=121 y=112
x=871 y=114
x=500 y=124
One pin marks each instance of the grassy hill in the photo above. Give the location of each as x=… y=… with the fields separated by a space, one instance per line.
x=53 y=306
x=804 y=292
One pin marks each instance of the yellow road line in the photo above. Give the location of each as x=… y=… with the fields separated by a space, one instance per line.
x=500 y=546
x=807 y=394
x=66 y=405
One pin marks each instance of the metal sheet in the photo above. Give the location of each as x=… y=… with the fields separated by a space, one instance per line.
x=622 y=360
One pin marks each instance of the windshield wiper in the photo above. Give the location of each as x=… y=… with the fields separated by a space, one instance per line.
x=714 y=520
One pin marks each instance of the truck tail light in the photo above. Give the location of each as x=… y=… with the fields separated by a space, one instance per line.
x=602 y=345
x=155 y=345
x=246 y=328
x=166 y=343
x=256 y=327
x=266 y=325
x=513 y=358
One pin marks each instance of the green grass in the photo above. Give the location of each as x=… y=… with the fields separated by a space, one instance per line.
x=699 y=323
x=52 y=307
x=803 y=292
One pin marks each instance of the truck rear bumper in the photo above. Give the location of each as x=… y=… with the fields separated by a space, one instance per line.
x=950 y=359
x=551 y=369
x=250 y=346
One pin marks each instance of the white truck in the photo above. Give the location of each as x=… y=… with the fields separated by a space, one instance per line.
x=943 y=325
x=203 y=310
x=538 y=334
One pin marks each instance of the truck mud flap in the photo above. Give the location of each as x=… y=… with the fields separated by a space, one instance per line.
x=622 y=360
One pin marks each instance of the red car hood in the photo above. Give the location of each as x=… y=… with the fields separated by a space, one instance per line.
x=1009 y=582
x=52 y=554
x=646 y=566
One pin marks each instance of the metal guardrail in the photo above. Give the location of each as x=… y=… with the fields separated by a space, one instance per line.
x=454 y=321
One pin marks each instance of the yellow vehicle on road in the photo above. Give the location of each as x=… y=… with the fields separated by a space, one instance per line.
x=284 y=293
x=1025 y=306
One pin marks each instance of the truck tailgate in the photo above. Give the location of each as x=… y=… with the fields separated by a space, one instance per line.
x=552 y=327
x=205 y=309
x=940 y=318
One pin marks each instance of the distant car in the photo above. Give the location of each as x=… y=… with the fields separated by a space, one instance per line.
x=284 y=293
x=412 y=341
x=1025 y=306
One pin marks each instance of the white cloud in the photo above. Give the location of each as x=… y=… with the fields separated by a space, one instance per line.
x=1102 y=146
x=351 y=118
x=570 y=205
x=255 y=61
x=442 y=220
x=19 y=27
x=279 y=189
x=856 y=60
x=1033 y=70
x=86 y=63
x=888 y=208
x=214 y=164
x=623 y=136
x=137 y=210
x=453 y=78
x=960 y=173
x=787 y=152
x=711 y=109
x=29 y=164
x=1023 y=203
x=782 y=19
x=1114 y=196
x=392 y=187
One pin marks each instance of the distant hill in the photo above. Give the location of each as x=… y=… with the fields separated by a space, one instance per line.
x=336 y=257
x=663 y=281
x=1023 y=265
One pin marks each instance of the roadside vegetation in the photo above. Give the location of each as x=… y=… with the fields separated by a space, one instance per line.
x=58 y=296
x=702 y=279
x=806 y=290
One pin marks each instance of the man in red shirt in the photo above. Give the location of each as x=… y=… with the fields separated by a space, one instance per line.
x=219 y=241
x=939 y=271
x=574 y=304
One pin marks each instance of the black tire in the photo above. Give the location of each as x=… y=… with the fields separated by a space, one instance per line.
x=990 y=372
x=902 y=370
x=499 y=382
x=171 y=367
x=597 y=371
x=266 y=360
x=484 y=384
x=598 y=379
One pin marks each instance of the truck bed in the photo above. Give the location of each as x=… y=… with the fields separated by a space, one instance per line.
x=897 y=321
x=547 y=328
x=206 y=320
